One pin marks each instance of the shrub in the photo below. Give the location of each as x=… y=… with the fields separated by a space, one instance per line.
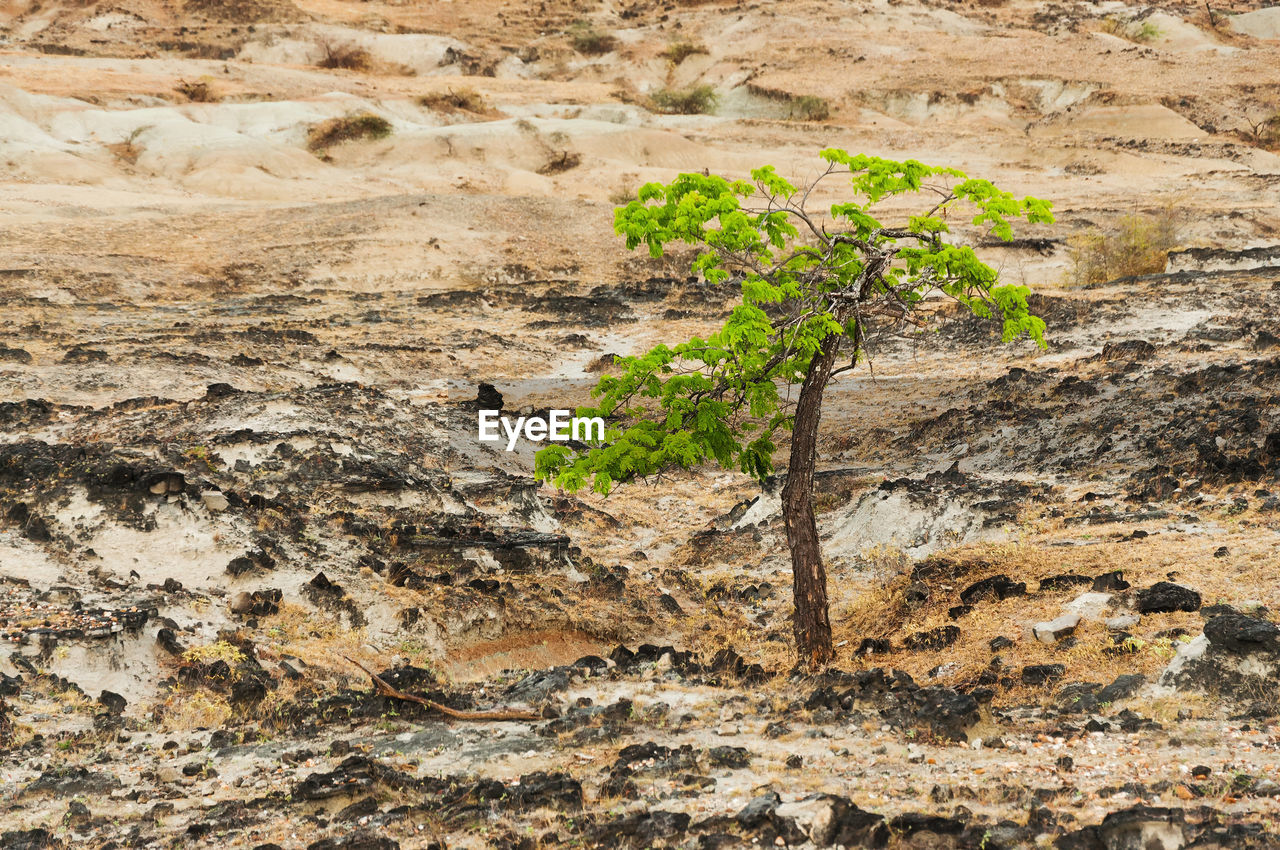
x=348 y=57
x=1265 y=133
x=1138 y=244
x=695 y=101
x=808 y=107
x=467 y=100
x=366 y=125
x=590 y=42
x=682 y=50
x=198 y=92
x=1140 y=32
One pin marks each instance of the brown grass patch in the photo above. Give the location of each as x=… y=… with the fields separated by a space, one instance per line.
x=366 y=125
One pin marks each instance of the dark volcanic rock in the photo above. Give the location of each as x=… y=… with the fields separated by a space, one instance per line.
x=993 y=588
x=1164 y=597
x=1243 y=635
x=65 y=782
x=359 y=840
x=1138 y=828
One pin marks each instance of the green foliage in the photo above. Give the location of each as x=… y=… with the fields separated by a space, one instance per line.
x=366 y=125
x=805 y=284
x=1136 y=245
x=682 y=50
x=1139 y=32
x=698 y=100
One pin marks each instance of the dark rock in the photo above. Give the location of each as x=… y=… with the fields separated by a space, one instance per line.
x=1137 y=828
x=999 y=643
x=1124 y=687
x=31 y=839
x=1113 y=580
x=1129 y=349
x=993 y=588
x=910 y=823
x=112 y=702
x=360 y=840
x=1242 y=635
x=488 y=398
x=67 y=781
x=539 y=685
x=1165 y=597
x=730 y=757
x=955 y=612
x=873 y=646
x=1066 y=581
x=948 y=714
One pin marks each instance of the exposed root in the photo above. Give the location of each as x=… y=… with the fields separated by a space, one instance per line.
x=386 y=690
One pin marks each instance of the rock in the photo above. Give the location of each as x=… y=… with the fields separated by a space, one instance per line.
x=1000 y=642
x=1066 y=581
x=359 y=840
x=241 y=603
x=1090 y=606
x=1123 y=622
x=1055 y=630
x=1040 y=674
x=214 y=500
x=69 y=781
x=1125 y=686
x=759 y=809
x=1165 y=597
x=488 y=398
x=993 y=588
x=730 y=757
x=31 y=839
x=1113 y=580
x=829 y=820
x=112 y=702
x=1128 y=349
x=948 y=714
x=1138 y=828
x=1241 y=635
x=873 y=646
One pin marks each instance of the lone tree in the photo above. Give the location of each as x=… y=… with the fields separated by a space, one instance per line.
x=815 y=287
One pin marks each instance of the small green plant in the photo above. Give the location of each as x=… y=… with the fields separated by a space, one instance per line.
x=699 y=100
x=679 y=51
x=1136 y=245
x=366 y=125
x=1140 y=32
x=591 y=42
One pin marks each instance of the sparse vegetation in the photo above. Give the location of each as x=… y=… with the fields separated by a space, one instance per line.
x=465 y=100
x=346 y=56
x=1264 y=133
x=1140 y=32
x=591 y=42
x=365 y=125
x=200 y=91
x=808 y=107
x=682 y=50
x=1136 y=245
x=699 y=100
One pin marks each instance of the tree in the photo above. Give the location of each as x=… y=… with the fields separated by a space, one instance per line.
x=815 y=288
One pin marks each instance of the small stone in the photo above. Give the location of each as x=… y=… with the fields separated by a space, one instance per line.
x=1055 y=630
x=1123 y=622
x=214 y=501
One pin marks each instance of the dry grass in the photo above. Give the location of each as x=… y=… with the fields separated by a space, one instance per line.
x=592 y=42
x=459 y=100
x=366 y=125
x=346 y=56
x=185 y=710
x=882 y=611
x=1135 y=245
x=679 y=51
x=200 y=91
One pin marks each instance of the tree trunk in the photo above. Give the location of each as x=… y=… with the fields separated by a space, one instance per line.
x=809 y=579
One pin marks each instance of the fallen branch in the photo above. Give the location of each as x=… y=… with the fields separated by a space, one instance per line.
x=386 y=690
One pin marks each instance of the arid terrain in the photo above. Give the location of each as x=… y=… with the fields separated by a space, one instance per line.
x=260 y=256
